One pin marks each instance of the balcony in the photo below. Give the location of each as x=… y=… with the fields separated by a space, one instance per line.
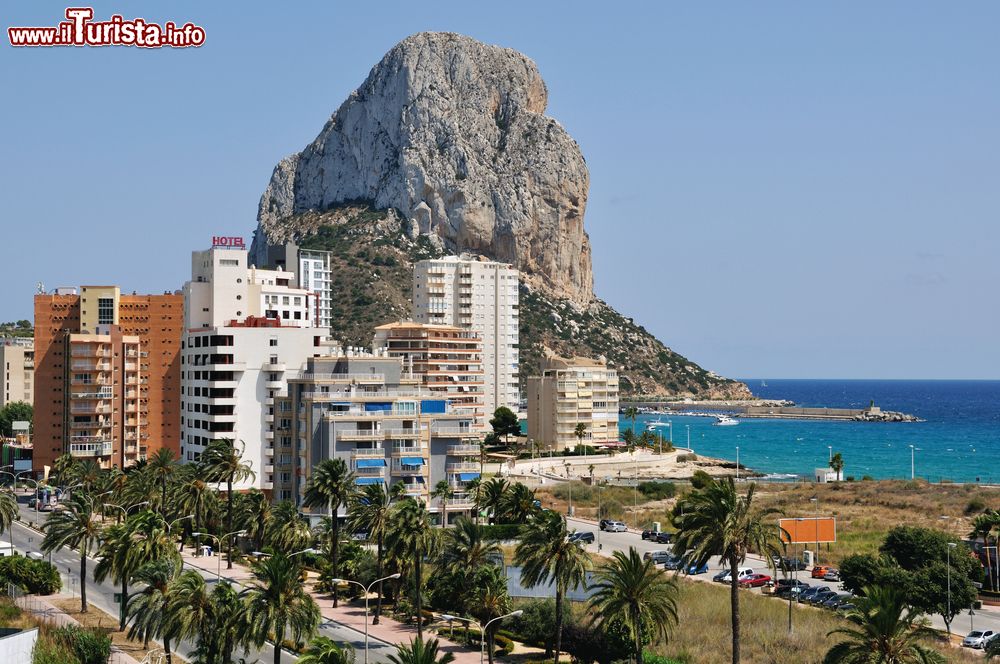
x=401 y=433
x=268 y=467
x=85 y=365
x=96 y=448
x=408 y=451
x=88 y=381
x=454 y=432
x=103 y=424
x=463 y=467
x=92 y=394
x=360 y=435
x=463 y=450
x=274 y=366
x=89 y=409
x=83 y=351
x=368 y=453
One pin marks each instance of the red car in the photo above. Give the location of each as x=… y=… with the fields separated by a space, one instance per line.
x=755 y=581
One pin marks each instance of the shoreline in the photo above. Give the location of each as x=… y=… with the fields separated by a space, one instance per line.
x=778 y=409
x=623 y=467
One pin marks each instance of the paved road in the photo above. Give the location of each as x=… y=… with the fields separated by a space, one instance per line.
x=988 y=618
x=67 y=561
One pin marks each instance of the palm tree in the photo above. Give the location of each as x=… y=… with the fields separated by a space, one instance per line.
x=331 y=485
x=837 y=464
x=324 y=650
x=411 y=538
x=419 y=652
x=148 y=608
x=87 y=473
x=224 y=463
x=546 y=555
x=987 y=527
x=717 y=521
x=490 y=601
x=212 y=617
x=518 y=504
x=628 y=437
x=885 y=630
x=253 y=513
x=465 y=550
x=634 y=593
x=286 y=529
x=370 y=512
x=443 y=491
x=161 y=467
x=193 y=495
x=630 y=414
x=62 y=469
x=8 y=510
x=494 y=490
x=580 y=431
x=75 y=526
x=474 y=488
x=276 y=602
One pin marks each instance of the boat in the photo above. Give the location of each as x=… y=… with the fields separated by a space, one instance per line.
x=725 y=421
x=653 y=426
x=763 y=383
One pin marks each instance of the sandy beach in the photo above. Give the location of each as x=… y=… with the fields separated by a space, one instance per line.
x=623 y=467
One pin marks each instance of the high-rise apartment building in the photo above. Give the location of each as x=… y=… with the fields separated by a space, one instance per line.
x=17 y=370
x=386 y=426
x=572 y=391
x=107 y=375
x=246 y=332
x=315 y=275
x=445 y=358
x=482 y=296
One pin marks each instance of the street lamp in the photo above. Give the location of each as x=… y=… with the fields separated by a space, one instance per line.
x=218 y=572
x=368 y=590
x=737 y=463
x=189 y=516
x=951 y=545
x=911 y=462
x=262 y=553
x=688 y=427
x=670 y=428
x=482 y=628
x=830 y=449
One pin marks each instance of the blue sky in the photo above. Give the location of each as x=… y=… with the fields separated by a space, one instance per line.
x=781 y=190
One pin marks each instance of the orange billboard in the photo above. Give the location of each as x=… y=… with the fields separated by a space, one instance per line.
x=808 y=529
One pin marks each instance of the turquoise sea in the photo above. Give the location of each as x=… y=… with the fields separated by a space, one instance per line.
x=959 y=441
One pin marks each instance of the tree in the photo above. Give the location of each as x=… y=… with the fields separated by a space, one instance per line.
x=8 y=510
x=418 y=652
x=331 y=485
x=253 y=514
x=324 y=650
x=475 y=490
x=490 y=600
x=633 y=591
x=161 y=466
x=494 y=492
x=580 y=431
x=986 y=526
x=837 y=464
x=546 y=555
x=213 y=618
x=505 y=424
x=224 y=463
x=518 y=504
x=287 y=530
x=370 y=512
x=465 y=550
x=629 y=438
x=276 y=602
x=631 y=413
x=717 y=521
x=884 y=629
x=411 y=539
x=15 y=411
x=443 y=491
x=193 y=495
x=75 y=526
x=148 y=608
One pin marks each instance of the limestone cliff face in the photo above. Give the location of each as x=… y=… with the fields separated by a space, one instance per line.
x=452 y=133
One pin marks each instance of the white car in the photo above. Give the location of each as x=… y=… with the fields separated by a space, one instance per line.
x=616 y=527
x=741 y=574
x=979 y=639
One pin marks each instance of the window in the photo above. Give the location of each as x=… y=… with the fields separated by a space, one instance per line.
x=105 y=310
x=229 y=262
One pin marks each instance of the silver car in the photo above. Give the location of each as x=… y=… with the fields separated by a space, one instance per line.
x=616 y=527
x=979 y=639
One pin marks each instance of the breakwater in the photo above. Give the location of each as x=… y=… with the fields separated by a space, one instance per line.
x=771 y=409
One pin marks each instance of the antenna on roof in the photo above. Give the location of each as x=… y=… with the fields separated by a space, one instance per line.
x=40 y=288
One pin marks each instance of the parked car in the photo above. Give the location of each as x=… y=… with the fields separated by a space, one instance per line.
x=845 y=607
x=832 y=575
x=835 y=601
x=584 y=537
x=793 y=564
x=819 y=571
x=659 y=556
x=819 y=598
x=616 y=527
x=650 y=534
x=978 y=639
x=695 y=568
x=755 y=580
x=720 y=576
x=32 y=501
x=664 y=537
x=794 y=587
x=741 y=573
x=603 y=523
x=673 y=562
x=806 y=594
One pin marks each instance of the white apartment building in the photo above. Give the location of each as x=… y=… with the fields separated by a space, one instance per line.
x=17 y=370
x=247 y=331
x=314 y=272
x=480 y=295
x=570 y=392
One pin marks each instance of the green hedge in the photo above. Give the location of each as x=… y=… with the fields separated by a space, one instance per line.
x=504 y=645
x=90 y=646
x=501 y=531
x=36 y=577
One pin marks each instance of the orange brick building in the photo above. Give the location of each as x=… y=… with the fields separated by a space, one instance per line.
x=107 y=375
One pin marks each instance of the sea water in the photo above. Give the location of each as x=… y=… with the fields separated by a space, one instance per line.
x=958 y=441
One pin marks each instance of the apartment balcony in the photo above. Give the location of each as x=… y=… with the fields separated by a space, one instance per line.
x=368 y=453
x=101 y=424
x=268 y=467
x=89 y=381
x=454 y=432
x=370 y=471
x=269 y=451
x=461 y=501
x=87 y=365
x=267 y=485
x=360 y=435
x=397 y=434
x=408 y=451
x=92 y=394
x=278 y=384
x=89 y=409
x=84 y=351
x=463 y=450
x=269 y=435
x=274 y=366
x=268 y=417
x=462 y=467
x=97 y=448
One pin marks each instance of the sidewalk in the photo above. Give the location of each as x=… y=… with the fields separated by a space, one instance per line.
x=349 y=615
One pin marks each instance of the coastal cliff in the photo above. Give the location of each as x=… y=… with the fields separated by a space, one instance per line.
x=446 y=148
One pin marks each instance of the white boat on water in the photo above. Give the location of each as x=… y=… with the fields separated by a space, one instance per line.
x=726 y=421
x=653 y=426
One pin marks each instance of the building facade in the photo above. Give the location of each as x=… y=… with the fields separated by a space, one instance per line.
x=572 y=391
x=445 y=359
x=17 y=362
x=107 y=375
x=247 y=331
x=482 y=296
x=386 y=427
x=315 y=275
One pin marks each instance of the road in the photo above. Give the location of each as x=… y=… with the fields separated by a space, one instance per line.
x=101 y=595
x=988 y=618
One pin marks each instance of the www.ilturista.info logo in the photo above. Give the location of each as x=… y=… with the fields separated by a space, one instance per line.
x=80 y=30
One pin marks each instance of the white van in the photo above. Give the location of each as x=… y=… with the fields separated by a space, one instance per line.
x=741 y=573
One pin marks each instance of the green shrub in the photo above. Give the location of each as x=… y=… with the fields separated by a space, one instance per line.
x=36 y=577
x=90 y=646
x=975 y=506
x=50 y=651
x=650 y=658
x=687 y=457
x=658 y=490
x=501 y=531
x=504 y=645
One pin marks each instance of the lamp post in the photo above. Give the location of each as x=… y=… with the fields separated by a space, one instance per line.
x=218 y=572
x=670 y=428
x=183 y=518
x=830 y=449
x=368 y=590
x=688 y=427
x=482 y=628
x=911 y=463
x=737 y=463
x=951 y=545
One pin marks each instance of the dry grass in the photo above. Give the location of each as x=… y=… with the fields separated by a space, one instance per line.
x=103 y=622
x=704 y=637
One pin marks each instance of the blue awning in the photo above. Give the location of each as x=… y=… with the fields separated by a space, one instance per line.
x=371 y=463
x=369 y=480
x=412 y=461
x=466 y=477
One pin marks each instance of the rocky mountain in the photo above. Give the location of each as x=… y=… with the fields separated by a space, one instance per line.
x=445 y=148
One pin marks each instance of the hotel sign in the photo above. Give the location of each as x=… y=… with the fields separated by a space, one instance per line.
x=227 y=242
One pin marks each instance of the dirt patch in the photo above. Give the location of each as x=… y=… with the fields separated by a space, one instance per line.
x=100 y=620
